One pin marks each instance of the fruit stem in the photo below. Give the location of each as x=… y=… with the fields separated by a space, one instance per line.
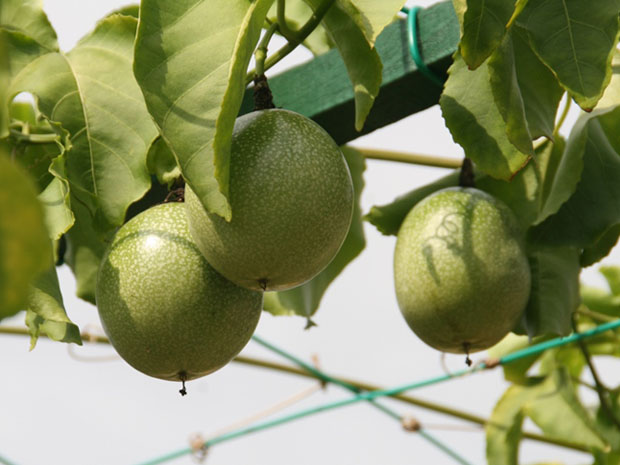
x=183 y=378
x=260 y=54
x=467 y=177
x=263 y=99
x=362 y=386
x=413 y=158
x=301 y=35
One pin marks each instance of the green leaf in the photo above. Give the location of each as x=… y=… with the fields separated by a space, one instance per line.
x=25 y=249
x=372 y=16
x=608 y=428
x=190 y=61
x=360 y=58
x=388 y=218
x=516 y=371
x=471 y=114
x=25 y=34
x=552 y=404
x=523 y=194
x=129 y=10
x=483 y=28
x=557 y=411
x=555 y=290
x=92 y=92
x=569 y=164
x=304 y=300
x=297 y=13
x=503 y=430
x=85 y=249
x=586 y=218
x=45 y=162
x=600 y=300
x=27 y=18
x=612 y=276
x=46 y=311
x=526 y=92
x=524 y=191
x=576 y=41
x=161 y=163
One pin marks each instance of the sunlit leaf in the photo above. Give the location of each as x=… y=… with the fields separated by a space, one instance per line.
x=304 y=300
x=91 y=91
x=372 y=16
x=576 y=41
x=194 y=96
x=46 y=311
x=360 y=58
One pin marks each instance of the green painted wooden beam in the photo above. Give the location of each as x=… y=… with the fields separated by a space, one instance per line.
x=320 y=89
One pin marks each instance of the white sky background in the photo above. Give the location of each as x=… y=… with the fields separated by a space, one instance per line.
x=57 y=410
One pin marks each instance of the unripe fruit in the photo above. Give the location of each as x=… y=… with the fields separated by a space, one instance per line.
x=291 y=196
x=165 y=310
x=461 y=274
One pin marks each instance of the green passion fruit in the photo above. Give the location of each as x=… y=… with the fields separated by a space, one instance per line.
x=461 y=275
x=166 y=311
x=291 y=197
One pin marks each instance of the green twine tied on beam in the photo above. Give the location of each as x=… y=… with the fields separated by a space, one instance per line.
x=414 y=46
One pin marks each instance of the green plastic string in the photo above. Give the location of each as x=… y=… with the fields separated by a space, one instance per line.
x=414 y=46
x=560 y=341
x=366 y=396
x=319 y=374
x=326 y=378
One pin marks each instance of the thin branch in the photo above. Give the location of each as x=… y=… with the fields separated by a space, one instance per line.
x=286 y=32
x=358 y=384
x=260 y=53
x=601 y=389
x=565 y=110
x=413 y=158
x=585 y=311
x=302 y=34
x=34 y=138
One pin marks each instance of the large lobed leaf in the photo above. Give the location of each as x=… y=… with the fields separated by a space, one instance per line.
x=191 y=57
x=91 y=91
x=304 y=300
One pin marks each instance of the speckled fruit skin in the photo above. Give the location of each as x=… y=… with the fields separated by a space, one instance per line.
x=165 y=310
x=461 y=274
x=291 y=196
